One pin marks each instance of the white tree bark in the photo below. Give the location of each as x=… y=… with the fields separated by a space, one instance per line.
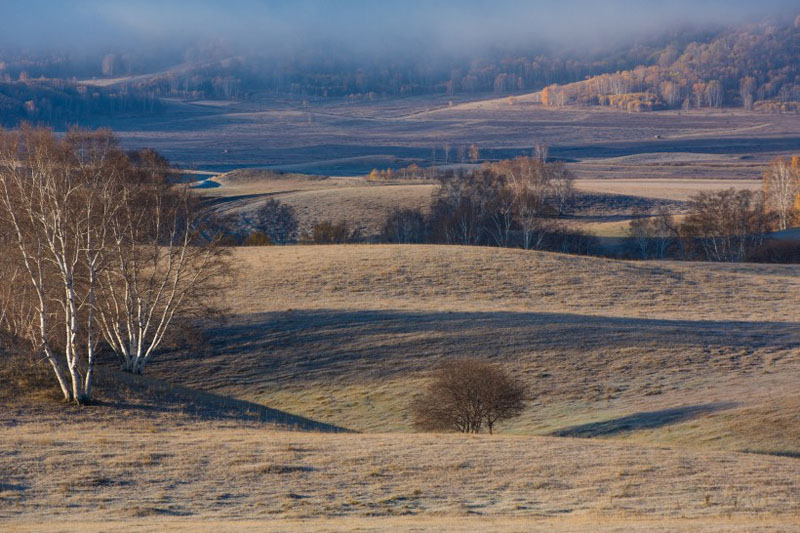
x=782 y=188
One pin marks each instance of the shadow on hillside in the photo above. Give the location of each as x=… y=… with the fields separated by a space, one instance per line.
x=639 y=421
x=323 y=345
x=308 y=345
x=149 y=395
x=591 y=205
x=15 y=487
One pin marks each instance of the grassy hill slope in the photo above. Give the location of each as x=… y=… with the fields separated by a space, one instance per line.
x=363 y=204
x=688 y=362
x=684 y=353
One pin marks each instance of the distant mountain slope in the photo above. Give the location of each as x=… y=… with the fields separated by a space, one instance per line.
x=60 y=102
x=756 y=67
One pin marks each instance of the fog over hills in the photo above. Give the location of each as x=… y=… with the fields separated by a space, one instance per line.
x=357 y=29
x=61 y=63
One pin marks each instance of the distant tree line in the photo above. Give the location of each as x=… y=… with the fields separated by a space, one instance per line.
x=516 y=203
x=58 y=102
x=724 y=226
x=755 y=67
x=727 y=225
x=526 y=203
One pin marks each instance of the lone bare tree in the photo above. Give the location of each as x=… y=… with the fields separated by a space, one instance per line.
x=474 y=153
x=541 y=151
x=467 y=394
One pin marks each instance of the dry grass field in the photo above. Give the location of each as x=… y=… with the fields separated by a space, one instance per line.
x=682 y=353
x=662 y=395
x=343 y=138
x=717 y=169
x=315 y=199
x=673 y=369
x=186 y=473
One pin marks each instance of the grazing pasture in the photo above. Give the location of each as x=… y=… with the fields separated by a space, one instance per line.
x=185 y=472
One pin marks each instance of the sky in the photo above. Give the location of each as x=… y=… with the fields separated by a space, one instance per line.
x=361 y=26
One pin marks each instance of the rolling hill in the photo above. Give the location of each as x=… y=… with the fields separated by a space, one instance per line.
x=673 y=369
x=702 y=355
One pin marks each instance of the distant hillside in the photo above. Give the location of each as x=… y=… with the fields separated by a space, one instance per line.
x=755 y=67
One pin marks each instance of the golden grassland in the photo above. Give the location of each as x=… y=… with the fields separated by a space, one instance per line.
x=674 y=368
x=611 y=190
x=190 y=472
x=663 y=395
x=361 y=203
x=695 y=354
x=662 y=189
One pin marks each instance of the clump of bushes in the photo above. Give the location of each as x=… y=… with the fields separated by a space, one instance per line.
x=721 y=226
x=277 y=222
x=405 y=226
x=257 y=238
x=516 y=203
x=272 y=223
x=328 y=232
x=786 y=252
x=467 y=395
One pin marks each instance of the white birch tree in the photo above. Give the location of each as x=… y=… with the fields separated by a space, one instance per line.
x=111 y=252
x=782 y=187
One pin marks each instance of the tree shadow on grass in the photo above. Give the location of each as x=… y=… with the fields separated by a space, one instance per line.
x=644 y=420
x=145 y=394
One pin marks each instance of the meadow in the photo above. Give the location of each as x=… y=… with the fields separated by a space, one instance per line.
x=662 y=394
x=663 y=397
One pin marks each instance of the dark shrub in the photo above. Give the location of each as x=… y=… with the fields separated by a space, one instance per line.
x=328 y=232
x=467 y=394
x=404 y=226
x=277 y=221
x=787 y=252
